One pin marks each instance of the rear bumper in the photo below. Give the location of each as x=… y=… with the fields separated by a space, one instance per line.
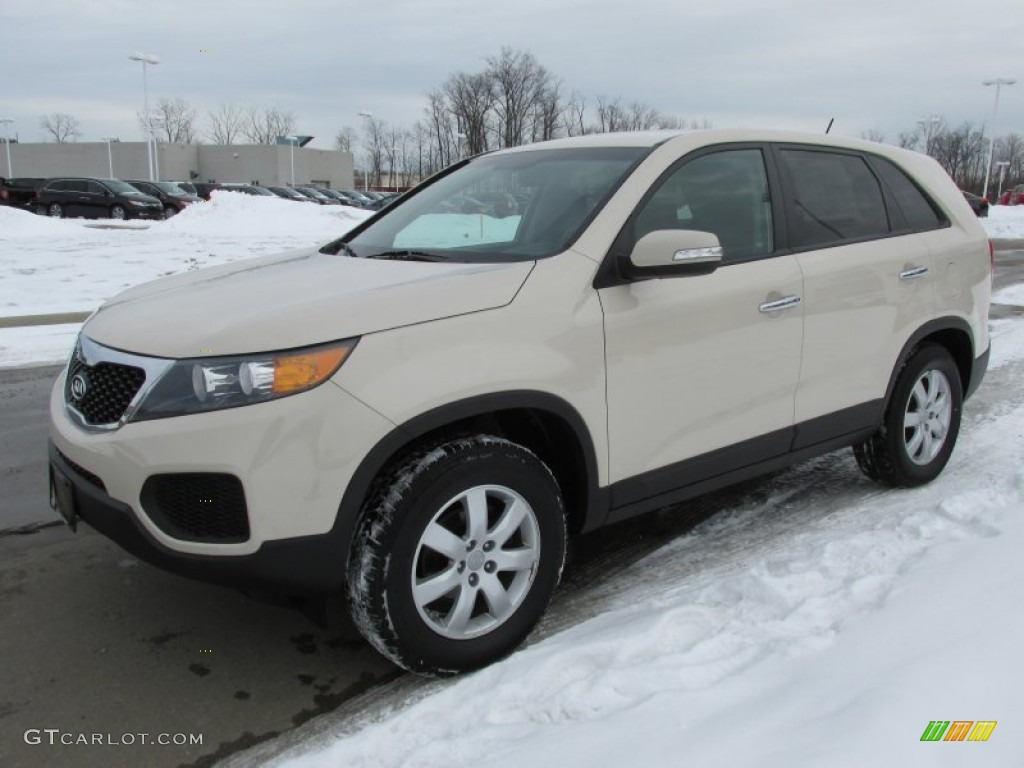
x=978 y=368
x=303 y=565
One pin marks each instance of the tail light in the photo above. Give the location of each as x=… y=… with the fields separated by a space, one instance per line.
x=4 y=194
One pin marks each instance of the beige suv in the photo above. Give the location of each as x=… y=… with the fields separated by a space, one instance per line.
x=535 y=342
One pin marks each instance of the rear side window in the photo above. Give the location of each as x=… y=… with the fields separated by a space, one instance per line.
x=58 y=186
x=832 y=198
x=918 y=211
x=77 y=185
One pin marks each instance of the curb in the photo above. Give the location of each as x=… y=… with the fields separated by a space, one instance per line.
x=60 y=318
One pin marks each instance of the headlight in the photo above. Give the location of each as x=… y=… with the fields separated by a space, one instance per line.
x=212 y=383
x=138 y=203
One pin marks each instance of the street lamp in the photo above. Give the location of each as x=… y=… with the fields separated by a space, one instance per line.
x=1002 y=165
x=7 y=143
x=147 y=58
x=292 y=140
x=110 y=155
x=999 y=82
x=366 y=173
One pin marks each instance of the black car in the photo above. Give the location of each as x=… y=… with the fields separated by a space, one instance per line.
x=95 y=199
x=978 y=204
x=317 y=196
x=247 y=189
x=20 y=192
x=173 y=198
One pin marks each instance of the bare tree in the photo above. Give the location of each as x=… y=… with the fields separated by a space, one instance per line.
x=962 y=152
x=172 y=120
x=440 y=123
x=1010 y=149
x=873 y=134
x=262 y=125
x=375 y=141
x=225 y=124
x=61 y=126
x=346 y=139
x=518 y=82
x=548 y=111
x=469 y=99
x=574 y=115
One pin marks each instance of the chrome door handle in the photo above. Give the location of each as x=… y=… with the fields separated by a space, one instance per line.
x=787 y=302
x=910 y=274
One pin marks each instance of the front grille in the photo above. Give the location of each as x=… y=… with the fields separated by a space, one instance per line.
x=82 y=472
x=198 y=506
x=109 y=388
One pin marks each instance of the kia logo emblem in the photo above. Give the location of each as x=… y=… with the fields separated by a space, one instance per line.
x=79 y=386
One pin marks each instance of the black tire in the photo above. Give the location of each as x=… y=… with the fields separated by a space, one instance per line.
x=117 y=212
x=434 y=488
x=902 y=453
x=56 y=210
x=169 y=211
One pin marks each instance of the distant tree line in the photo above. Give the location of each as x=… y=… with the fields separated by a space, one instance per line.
x=513 y=100
x=963 y=152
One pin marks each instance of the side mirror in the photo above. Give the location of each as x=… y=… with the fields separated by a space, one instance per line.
x=673 y=253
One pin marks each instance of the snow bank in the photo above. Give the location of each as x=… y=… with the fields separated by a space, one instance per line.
x=16 y=224
x=235 y=214
x=1005 y=222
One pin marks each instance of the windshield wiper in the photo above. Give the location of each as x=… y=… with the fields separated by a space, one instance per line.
x=408 y=256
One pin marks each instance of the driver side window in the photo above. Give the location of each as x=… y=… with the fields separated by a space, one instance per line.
x=725 y=193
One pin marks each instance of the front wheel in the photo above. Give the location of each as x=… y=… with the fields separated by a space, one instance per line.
x=117 y=212
x=457 y=554
x=56 y=210
x=922 y=421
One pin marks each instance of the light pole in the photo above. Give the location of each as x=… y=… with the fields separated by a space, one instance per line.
x=999 y=82
x=292 y=140
x=926 y=124
x=7 y=143
x=147 y=58
x=110 y=155
x=366 y=174
x=1002 y=165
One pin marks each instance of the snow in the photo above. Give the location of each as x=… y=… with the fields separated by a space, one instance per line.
x=821 y=627
x=58 y=265
x=1005 y=222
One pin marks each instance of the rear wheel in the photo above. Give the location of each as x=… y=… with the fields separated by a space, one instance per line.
x=56 y=210
x=921 y=422
x=117 y=212
x=457 y=555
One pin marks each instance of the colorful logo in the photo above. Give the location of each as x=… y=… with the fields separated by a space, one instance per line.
x=958 y=730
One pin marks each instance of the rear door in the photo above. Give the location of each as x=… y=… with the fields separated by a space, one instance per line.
x=868 y=285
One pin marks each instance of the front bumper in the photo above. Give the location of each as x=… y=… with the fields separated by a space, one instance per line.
x=294 y=457
x=302 y=565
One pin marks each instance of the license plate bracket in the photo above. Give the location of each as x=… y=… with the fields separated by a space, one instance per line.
x=62 y=497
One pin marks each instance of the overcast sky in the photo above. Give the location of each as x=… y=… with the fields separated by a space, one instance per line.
x=870 y=64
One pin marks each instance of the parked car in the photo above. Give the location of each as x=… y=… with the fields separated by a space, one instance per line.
x=201 y=189
x=19 y=192
x=173 y=198
x=358 y=197
x=420 y=412
x=336 y=196
x=317 y=196
x=978 y=204
x=1014 y=196
x=247 y=189
x=93 y=198
x=291 y=194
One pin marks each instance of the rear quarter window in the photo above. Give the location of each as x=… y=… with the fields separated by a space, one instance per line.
x=918 y=210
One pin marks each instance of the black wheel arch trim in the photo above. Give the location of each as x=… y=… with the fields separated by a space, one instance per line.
x=975 y=370
x=595 y=499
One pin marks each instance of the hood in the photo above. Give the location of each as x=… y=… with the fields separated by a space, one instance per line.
x=294 y=300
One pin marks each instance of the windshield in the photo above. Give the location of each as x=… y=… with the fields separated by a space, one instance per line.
x=511 y=207
x=121 y=187
x=169 y=187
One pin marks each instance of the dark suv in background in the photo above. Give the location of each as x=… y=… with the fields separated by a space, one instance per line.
x=19 y=193
x=173 y=198
x=95 y=199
